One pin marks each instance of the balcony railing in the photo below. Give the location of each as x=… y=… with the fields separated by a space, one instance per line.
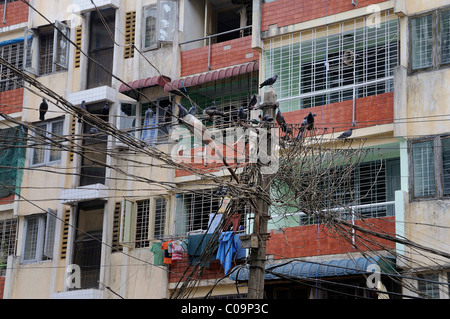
x=244 y=31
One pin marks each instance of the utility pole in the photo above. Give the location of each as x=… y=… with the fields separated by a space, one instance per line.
x=258 y=251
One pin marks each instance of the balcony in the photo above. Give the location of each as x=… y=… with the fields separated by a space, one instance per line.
x=84 y=193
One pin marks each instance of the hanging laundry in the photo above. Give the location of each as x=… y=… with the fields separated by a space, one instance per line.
x=158 y=254
x=233 y=222
x=167 y=248
x=229 y=247
x=177 y=250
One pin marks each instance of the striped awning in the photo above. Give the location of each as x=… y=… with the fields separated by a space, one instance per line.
x=212 y=76
x=160 y=80
x=332 y=268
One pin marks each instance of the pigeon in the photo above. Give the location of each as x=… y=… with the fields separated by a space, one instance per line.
x=105 y=112
x=43 y=108
x=83 y=106
x=281 y=121
x=93 y=130
x=269 y=81
x=212 y=111
x=309 y=120
x=266 y=118
x=241 y=114
x=182 y=112
x=253 y=101
x=193 y=110
x=346 y=134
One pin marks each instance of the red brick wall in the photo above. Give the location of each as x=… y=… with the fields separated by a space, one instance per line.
x=304 y=241
x=11 y=101
x=7 y=200
x=223 y=54
x=369 y=111
x=288 y=12
x=178 y=268
x=16 y=12
x=2 y=286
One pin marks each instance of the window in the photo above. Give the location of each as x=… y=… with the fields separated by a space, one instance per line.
x=146 y=121
x=13 y=53
x=334 y=63
x=428 y=286
x=430 y=161
x=39 y=237
x=194 y=209
x=143 y=220
x=101 y=47
x=430 y=40
x=42 y=152
x=8 y=241
x=158 y=23
x=46 y=50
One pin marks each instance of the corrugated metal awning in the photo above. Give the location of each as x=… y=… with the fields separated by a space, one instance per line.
x=332 y=268
x=160 y=80
x=212 y=76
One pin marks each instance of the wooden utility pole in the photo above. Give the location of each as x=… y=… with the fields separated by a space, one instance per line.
x=258 y=253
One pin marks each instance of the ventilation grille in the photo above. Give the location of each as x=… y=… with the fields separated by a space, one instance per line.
x=130 y=26
x=78 y=43
x=65 y=233
x=72 y=134
x=116 y=228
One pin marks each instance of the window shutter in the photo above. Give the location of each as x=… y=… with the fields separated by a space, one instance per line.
x=30 y=51
x=65 y=233
x=61 y=45
x=78 y=32
x=166 y=20
x=127 y=222
x=130 y=27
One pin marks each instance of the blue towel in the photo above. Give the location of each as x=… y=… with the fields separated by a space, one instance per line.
x=229 y=249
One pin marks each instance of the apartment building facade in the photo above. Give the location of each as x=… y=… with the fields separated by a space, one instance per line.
x=102 y=205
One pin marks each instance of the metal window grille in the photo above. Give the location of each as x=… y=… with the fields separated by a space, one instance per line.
x=160 y=217
x=446 y=165
x=31 y=239
x=428 y=285
x=228 y=94
x=423 y=169
x=445 y=37
x=46 y=54
x=8 y=241
x=334 y=63
x=13 y=53
x=142 y=224
x=422 y=42
x=194 y=209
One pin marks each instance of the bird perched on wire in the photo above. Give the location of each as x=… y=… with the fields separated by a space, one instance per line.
x=307 y=124
x=269 y=81
x=266 y=118
x=82 y=106
x=242 y=114
x=212 y=111
x=43 y=108
x=105 y=112
x=182 y=112
x=281 y=121
x=346 y=134
x=93 y=130
x=193 y=110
